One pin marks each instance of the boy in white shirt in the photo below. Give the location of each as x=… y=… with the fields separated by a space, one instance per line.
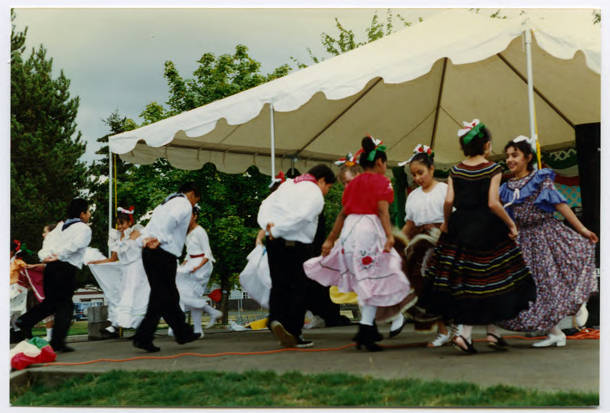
x=163 y=241
x=65 y=257
x=290 y=217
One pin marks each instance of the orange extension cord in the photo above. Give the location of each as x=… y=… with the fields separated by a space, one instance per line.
x=584 y=334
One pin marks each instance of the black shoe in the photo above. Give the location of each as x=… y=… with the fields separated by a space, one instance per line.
x=188 y=338
x=16 y=336
x=279 y=331
x=149 y=347
x=394 y=333
x=107 y=334
x=63 y=349
x=498 y=343
x=469 y=347
x=302 y=343
x=26 y=332
x=366 y=338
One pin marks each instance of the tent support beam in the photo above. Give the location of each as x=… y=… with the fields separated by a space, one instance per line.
x=530 y=84
x=336 y=118
x=272 y=132
x=536 y=91
x=438 y=103
x=109 y=193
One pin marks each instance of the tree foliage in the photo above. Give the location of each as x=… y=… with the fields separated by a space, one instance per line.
x=45 y=146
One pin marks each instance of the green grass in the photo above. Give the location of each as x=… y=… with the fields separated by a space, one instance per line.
x=293 y=389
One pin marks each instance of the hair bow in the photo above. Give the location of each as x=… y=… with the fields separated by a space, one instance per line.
x=378 y=147
x=530 y=141
x=128 y=211
x=471 y=130
x=416 y=151
x=18 y=247
x=280 y=177
x=196 y=209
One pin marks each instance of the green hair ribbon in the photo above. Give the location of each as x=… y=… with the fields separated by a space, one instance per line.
x=371 y=156
x=475 y=132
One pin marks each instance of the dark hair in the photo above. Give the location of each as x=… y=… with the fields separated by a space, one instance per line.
x=526 y=149
x=424 y=158
x=188 y=187
x=76 y=207
x=50 y=226
x=323 y=171
x=123 y=217
x=292 y=173
x=477 y=145
x=368 y=146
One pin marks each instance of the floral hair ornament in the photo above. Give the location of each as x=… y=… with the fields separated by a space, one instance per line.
x=347 y=160
x=18 y=245
x=471 y=130
x=378 y=147
x=280 y=177
x=196 y=209
x=128 y=211
x=416 y=151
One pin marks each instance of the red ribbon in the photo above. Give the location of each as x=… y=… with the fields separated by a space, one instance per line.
x=281 y=176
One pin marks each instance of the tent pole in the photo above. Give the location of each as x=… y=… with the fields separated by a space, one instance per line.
x=109 y=193
x=272 y=142
x=530 y=92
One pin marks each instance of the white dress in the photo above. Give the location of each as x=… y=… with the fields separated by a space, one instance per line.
x=191 y=285
x=124 y=281
x=135 y=289
x=255 y=278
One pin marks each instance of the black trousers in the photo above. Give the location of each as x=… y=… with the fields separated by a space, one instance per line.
x=59 y=284
x=320 y=304
x=160 y=267
x=288 y=297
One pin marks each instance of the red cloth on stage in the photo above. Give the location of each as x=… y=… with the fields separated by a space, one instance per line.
x=363 y=193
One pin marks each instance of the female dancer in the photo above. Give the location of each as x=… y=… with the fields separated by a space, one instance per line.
x=364 y=260
x=477 y=275
x=423 y=216
x=194 y=273
x=562 y=260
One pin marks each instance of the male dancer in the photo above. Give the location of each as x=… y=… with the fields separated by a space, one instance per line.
x=163 y=241
x=290 y=217
x=66 y=257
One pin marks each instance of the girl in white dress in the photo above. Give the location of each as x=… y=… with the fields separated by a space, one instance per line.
x=194 y=273
x=129 y=301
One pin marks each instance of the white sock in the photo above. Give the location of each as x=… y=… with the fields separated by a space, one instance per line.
x=556 y=331
x=196 y=318
x=111 y=329
x=367 y=314
x=397 y=322
x=49 y=333
x=214 y=313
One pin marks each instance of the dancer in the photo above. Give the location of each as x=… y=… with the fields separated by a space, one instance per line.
x=364 y=260
x=128 y=307
x=18 y=291
x=163 y=240
x=194 y=273
x=290 y=218
x=477 y=275
x=423 y=218
x=562 y=260
x=60 y=276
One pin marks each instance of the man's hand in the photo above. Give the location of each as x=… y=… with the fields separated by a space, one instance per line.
x=151 y=243
x=268 y=229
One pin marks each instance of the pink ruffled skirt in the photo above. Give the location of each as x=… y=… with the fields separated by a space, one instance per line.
x=357 y=263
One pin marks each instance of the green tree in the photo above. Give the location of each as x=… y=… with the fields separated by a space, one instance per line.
x=45 y=147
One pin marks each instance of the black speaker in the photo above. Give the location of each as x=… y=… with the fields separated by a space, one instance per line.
x=589 y=170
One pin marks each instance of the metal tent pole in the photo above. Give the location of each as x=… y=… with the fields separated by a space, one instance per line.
x=530 y=92
x=272 y=129
x=109 y=193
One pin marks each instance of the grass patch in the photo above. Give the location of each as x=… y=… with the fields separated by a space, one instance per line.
x=293 y=389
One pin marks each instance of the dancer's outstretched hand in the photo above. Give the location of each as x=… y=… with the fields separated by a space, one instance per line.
x=389 y=244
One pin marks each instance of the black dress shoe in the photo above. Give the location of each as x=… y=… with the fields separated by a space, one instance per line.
x=63 y=349
x=189 y=338
x=149 y=347
x=396 y=332
x=107 y=334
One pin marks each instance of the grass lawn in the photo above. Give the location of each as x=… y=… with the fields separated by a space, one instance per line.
x=259 y=389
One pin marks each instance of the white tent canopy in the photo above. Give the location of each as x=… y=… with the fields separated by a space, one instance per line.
x=414 y=86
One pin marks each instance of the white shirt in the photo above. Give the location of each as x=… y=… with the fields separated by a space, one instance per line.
x=197 y=242
x=294 y=210
x=426 y=207
x=49 y=242
x=71 y=243
x=169 y=223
